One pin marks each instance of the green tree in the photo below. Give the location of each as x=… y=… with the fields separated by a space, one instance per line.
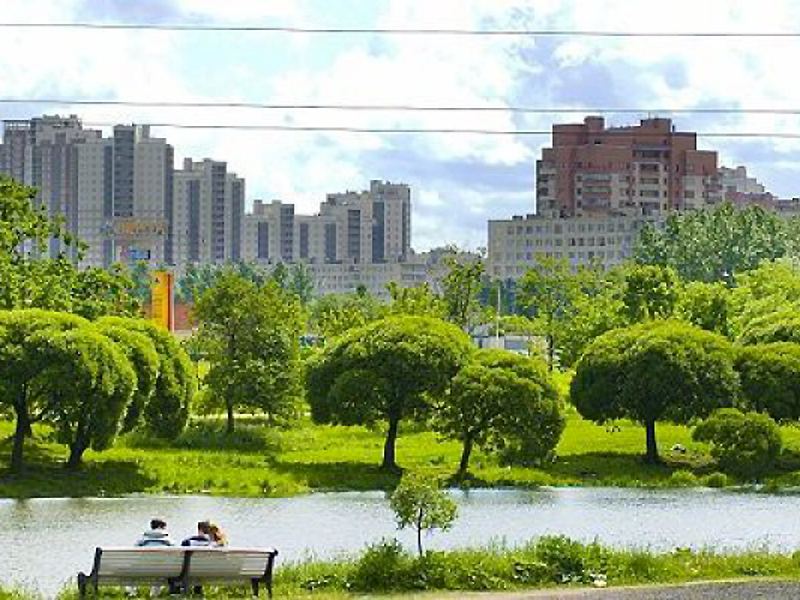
x=280 y=275
x=419 y=502
x=706 y=305
x=770 y=379
x=21 y=369
x=549 y=292
x=714 y=244
x=332 y=315
x=250 y=337
x=659 y=371
x=142 y=355
x=744 y=444
x=387 y=370
x=501 y=401
x=461 y=287
x=419 y=301
x=167 y=411
x=301 y=282
x=86 y=384
x=649 y=292
x=781 y=325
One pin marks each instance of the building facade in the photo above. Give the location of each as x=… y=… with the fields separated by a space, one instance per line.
x=643 y=170
x=207 y=214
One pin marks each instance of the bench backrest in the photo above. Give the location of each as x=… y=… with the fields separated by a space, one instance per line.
x=123 y=563
x=174 y=561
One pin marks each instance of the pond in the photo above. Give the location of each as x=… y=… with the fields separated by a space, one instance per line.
x=47 y=541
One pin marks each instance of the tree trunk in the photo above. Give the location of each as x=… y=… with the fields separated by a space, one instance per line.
x=651 y=456
x=230 y=426
x=75 y=459
x=551 y=351
x=389 y=463
x=419 y=531
x=21 y=431
x=463 y=467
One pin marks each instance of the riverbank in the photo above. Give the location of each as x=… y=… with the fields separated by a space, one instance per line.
x=551 y=563
x=268 y=461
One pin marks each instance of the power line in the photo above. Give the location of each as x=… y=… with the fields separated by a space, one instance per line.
x=410 y=31
x=499 y=132
x=401 y=107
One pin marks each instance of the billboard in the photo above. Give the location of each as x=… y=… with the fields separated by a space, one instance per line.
x=162 y=300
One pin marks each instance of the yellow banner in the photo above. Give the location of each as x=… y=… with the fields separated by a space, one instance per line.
x=161 y=299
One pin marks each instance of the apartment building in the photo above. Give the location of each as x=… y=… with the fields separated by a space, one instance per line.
x=368 y=227
x=206 y=217
x=515 y=244
x=642 y=170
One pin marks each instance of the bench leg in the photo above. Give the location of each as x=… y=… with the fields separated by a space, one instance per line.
x=81 y=585
x=254 y=587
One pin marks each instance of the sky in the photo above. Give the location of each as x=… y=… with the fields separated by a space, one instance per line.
x=458 y=181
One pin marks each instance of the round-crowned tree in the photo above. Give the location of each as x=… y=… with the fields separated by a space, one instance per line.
x=387 y=370
x=20 y=367
x=779 y=326
x=501 y=401
x=141 y=353
x=770 y=379
x=658 y=371
x=89 y=382
x=167 y=411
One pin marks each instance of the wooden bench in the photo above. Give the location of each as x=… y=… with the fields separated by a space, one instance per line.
x=186 y=566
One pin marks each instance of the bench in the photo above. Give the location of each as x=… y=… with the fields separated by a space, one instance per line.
x=187 y=566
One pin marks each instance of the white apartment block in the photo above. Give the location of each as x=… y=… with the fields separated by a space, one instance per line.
x=375 y=277
x=207 y=213
x=515 y=244
x=735 y=180
x=351 y=228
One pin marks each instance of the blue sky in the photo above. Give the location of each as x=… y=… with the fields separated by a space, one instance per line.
x=458 y=181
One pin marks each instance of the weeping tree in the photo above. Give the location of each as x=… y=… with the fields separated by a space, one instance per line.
x=21 y=368
x=86 y=385
x=502 y=402
x=659 y=371
x=142 y=355
x=386 y=371
x=167 y=411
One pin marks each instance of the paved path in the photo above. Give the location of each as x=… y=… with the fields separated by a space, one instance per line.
x=740 y=590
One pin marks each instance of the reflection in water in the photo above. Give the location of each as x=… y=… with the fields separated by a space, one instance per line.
x=52 y=539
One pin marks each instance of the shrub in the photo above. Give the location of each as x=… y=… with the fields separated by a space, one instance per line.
x=744 y=444
x=715 y=480
x=564 y=556
x=383 y=566
x=683 y=478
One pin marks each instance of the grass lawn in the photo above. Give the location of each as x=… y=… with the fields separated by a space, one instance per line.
x=259 y=460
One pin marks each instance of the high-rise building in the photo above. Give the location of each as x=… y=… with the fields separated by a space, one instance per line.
x=207 y=213
x=646 y=169
x=112 y=192
x=368 y=227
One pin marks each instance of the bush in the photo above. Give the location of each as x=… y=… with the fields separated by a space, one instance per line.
x=744 y=444
x=715 y=480
x=683 y=478
x=564 y=556
x=383 y=566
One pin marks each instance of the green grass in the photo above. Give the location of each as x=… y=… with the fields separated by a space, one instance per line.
x=385 y=569
x=268 y=461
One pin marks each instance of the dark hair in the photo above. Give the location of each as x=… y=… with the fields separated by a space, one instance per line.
x=158 y=524
x=204 y=527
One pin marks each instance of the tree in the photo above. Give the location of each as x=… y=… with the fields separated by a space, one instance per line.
x=744 y=444
x=714 y=244
x=549 y=292
x=143 y=358
x=301 y=282
x=418 y=301
x=21 y=369
x=770 y=379
x=501 y=401
x=250 y=336
x=87 y=384
x=418 y=502
x=167 y=411
x=335 y=314
x=387 y=370
x=649 y=292
x=461 y=287
x=666 y=370
x=781 y=325
x=31 y=281
x=706 y=305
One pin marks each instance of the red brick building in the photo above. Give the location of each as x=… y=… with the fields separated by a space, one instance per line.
x=646 y=169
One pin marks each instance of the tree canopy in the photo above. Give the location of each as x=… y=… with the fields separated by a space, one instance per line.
x=658 y=371
x=250 y=335
x=387 y=370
